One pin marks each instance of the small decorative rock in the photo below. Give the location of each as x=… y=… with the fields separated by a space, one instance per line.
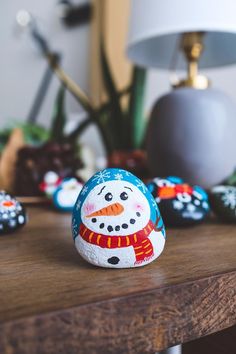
x=50 y=183
x=116 y=222
x=179 y=203
x=65 y=195
x=12 y=213
x=223 y=202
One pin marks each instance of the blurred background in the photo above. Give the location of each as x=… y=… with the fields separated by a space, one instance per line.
x=22 y=66
x=89 y=41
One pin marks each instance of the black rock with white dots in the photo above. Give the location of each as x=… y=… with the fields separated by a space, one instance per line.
x=180 y=204
x=12 y=213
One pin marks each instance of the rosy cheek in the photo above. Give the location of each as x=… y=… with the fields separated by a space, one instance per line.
x=138 y=207
x=89 y=208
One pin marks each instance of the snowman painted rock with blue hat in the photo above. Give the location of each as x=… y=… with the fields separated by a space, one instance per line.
x=116 y=222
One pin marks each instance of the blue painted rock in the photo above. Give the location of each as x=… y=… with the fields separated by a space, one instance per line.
x=12 y=213
x=180 y=204
x=116 y=222
x=223 y=202
x=65 y=195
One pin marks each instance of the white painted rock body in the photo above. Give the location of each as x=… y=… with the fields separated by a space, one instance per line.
x=64 y=197
x=116 y=222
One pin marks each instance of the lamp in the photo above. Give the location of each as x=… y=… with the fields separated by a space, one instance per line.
x=192 y=130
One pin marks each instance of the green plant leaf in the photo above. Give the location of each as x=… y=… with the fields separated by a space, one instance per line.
x=115 y=112
x=34 y=134
x=59 y=116
x=136 y=107
x=80 y=97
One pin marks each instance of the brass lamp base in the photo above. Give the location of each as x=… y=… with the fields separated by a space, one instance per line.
x=199 y=82
x=192 y=47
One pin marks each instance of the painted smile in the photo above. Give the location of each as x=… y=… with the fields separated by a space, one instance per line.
x=111 y=228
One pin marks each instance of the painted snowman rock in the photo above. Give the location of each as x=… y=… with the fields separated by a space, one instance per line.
x=12 y=214
x=65 y=195
x=50 y=183
x=116 y=222
x=223 y=202
x=180 y=204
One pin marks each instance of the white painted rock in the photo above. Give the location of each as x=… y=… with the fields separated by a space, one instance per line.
x=66 y=194
x=116 y=222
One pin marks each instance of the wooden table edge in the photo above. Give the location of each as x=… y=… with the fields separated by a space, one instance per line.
x=151 y=321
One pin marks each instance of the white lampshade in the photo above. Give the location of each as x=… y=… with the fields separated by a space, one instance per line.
x=156 y=26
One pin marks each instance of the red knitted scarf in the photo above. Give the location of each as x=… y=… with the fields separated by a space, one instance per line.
x=139 y=241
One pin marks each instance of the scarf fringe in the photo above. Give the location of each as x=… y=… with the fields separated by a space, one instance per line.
x=146 y=259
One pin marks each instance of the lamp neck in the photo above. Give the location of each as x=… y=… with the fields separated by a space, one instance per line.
x=192 y=47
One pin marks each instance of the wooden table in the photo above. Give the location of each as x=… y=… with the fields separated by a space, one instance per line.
x=51 y=301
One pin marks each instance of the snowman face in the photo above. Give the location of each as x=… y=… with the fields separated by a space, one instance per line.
x=115 y=208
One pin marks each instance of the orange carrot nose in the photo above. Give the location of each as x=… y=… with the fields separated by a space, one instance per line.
x=110 y=210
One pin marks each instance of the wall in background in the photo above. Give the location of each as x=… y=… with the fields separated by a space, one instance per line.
x=21 y=65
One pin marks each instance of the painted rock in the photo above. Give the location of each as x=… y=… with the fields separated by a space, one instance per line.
x=12 y=213
x=116 y=222
x=223 y=202
x=180 y=204
x=65 y=195
x=50 y=183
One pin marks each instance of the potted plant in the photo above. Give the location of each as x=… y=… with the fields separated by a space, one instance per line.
x=122 y=129
x=30 y=151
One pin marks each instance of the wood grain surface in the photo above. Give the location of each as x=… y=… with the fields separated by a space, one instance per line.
x=51 y=301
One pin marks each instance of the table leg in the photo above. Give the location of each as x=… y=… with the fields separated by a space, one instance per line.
x=177 y=349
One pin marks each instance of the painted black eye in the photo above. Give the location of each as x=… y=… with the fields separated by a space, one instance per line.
x=124 y=196
x=108 y=197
